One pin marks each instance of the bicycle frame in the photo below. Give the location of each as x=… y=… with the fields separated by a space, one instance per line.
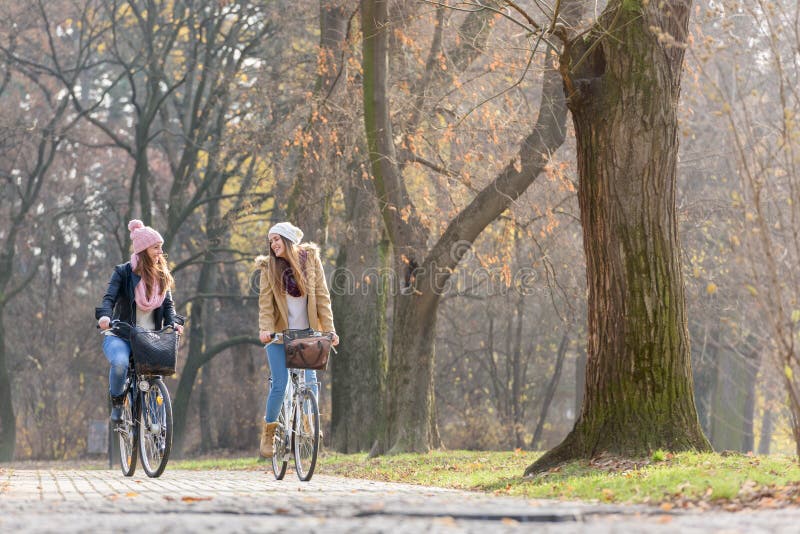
x=295 y=428
x=137 y=437
x=295 y=388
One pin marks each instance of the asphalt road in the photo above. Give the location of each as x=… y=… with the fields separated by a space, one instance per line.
x=54 y=499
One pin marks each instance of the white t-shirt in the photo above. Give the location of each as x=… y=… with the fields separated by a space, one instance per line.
x=145 y=319
x=298 y=312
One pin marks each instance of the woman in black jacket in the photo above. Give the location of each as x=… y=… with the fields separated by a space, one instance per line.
x=138 y=293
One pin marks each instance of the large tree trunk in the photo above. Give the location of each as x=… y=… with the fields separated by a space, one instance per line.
x=410 y=413
x=359 y=293
x=8 y=429
x=409 y=392
x=623 y=95
x=580 y=379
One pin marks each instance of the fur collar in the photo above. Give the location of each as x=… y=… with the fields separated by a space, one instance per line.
x=263 y=261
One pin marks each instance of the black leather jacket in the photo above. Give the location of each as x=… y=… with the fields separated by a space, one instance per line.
x=119 y=303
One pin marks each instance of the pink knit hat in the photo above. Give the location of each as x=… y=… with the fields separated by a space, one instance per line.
x=143 y=237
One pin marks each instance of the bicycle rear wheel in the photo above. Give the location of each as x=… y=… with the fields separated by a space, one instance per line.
x=306 y=436
x=127 y=432
x=155 y=428
x=280 y=446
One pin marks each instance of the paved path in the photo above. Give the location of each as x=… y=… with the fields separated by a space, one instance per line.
x=44 y=499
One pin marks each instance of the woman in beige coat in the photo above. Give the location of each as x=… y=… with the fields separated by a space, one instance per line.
x=294 y=295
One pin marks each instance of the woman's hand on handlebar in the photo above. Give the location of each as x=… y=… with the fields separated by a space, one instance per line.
x=104 y=323
x=265 y=336
x=334 y=339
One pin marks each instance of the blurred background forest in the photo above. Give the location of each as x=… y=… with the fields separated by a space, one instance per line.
x=211 y=120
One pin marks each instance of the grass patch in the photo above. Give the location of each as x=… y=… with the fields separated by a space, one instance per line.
x=680 y=480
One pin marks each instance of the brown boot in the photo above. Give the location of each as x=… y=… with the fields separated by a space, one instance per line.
x=308 y=428
x=267 y=438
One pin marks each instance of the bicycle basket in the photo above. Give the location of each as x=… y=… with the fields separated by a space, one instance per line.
x=306 y=349
x=154 y=351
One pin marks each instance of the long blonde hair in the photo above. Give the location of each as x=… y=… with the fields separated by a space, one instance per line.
x=152 y=272
x=291 y=261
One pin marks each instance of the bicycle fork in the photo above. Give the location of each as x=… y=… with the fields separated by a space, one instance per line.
x=288 y=415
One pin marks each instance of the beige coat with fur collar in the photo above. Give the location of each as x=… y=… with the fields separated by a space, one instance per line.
x=272 y=307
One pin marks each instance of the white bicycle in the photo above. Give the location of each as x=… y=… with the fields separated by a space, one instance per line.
x=298 y=426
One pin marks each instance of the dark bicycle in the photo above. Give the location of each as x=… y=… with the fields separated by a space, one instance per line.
x=146 y=427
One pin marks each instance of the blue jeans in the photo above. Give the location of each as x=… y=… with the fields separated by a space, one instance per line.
x=276 y=358
x=118 y=352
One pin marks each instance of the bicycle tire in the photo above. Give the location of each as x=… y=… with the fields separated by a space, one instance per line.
x=306 y=436
x=279 y=446
x=155 y=428
x=128 y=436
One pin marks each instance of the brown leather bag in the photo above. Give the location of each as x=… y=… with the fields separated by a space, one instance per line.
x=306 y=349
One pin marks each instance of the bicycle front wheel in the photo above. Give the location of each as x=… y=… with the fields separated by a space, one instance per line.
x=280 y=447
x=127 y=432
x=155 y=428
x=306 y=436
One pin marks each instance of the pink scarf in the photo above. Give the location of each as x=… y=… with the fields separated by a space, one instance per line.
x=140 y=292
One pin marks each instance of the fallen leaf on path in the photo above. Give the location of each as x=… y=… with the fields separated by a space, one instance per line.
x=195 y=499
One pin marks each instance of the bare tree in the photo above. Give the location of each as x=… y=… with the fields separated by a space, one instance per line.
x=29 y=144
x=410 y=407
x=761 y=114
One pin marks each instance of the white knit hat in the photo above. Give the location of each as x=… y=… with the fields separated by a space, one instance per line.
x=287 y=230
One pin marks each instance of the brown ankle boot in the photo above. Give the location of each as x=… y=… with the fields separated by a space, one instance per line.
x=267 y=437
x=308 y=429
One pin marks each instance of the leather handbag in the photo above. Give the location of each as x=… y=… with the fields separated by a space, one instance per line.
x=307 y=349
x=154 y=351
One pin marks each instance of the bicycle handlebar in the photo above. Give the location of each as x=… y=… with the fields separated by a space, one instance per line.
x=112 y=325
x=116 y=323
x=275 y=336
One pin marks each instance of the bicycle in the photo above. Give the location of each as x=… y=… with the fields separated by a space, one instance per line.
x=298 y=426
x=146 y=427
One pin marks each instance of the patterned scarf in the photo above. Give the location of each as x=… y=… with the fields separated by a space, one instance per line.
x=289 y=282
